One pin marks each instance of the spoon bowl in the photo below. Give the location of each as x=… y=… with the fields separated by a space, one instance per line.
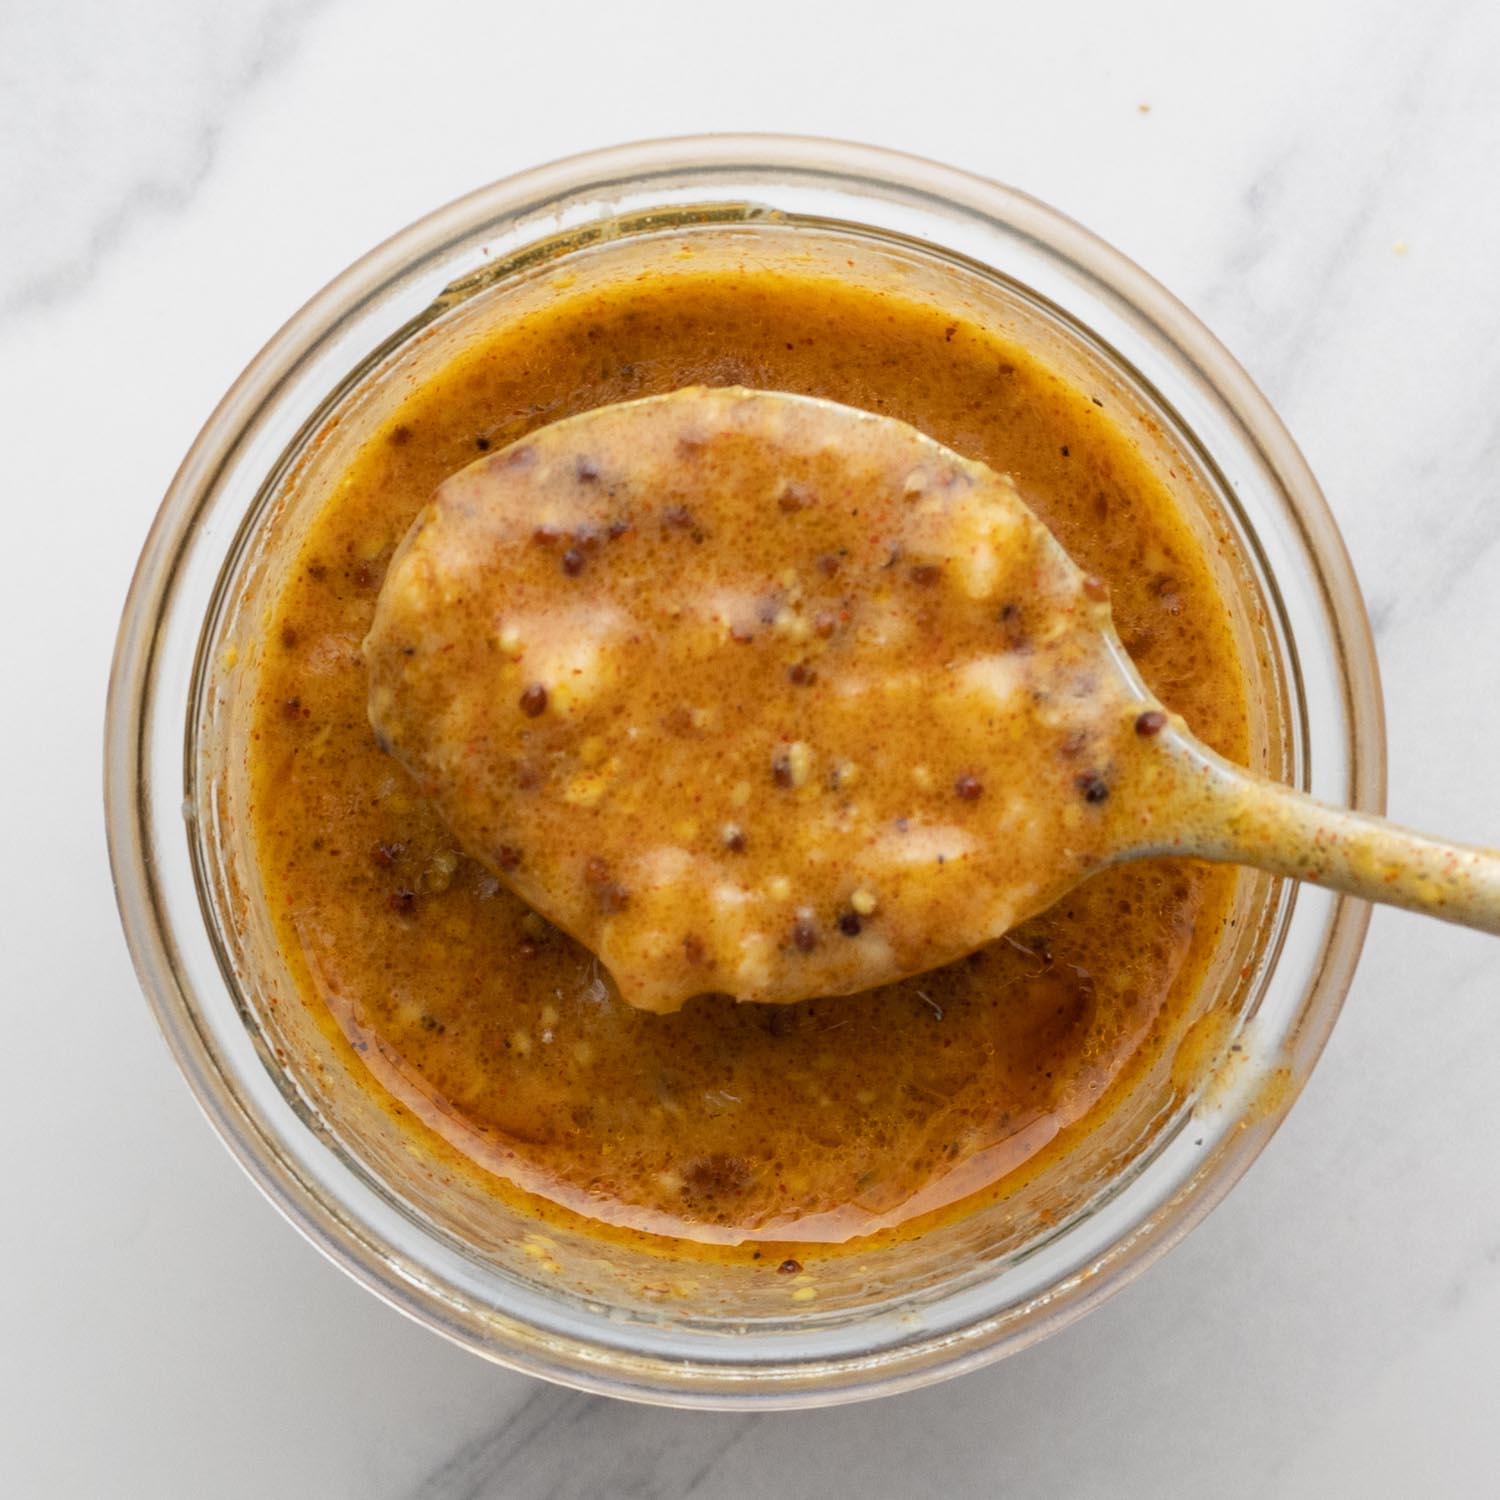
x=759 y=694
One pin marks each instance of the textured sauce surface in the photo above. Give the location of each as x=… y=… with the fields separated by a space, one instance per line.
x=756 y=695
x=723 y=1122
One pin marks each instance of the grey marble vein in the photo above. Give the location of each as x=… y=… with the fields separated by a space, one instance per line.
x=128 y=131
x=1475 y=1274
x=1294 y=313
x=562 y=1445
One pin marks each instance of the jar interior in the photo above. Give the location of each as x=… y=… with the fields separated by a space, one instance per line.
x=549 y=1261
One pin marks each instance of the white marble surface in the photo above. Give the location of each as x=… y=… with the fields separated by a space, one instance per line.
x=1316 y=179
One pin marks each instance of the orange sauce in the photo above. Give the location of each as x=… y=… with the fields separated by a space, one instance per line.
x=723 y=1123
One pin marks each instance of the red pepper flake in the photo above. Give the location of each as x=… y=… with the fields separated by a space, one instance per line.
x=399 y=437
x=609 y=894
x=924 y=575
x=507 y=857
x=403 y=902
x=828 y=563
x=741 y=636
x=619 y=527
x=717 y=1175
x=804 y=935
x=693 y=950
x=802 y=675
x=293 y=709
x=968 y=788
x=1013 y=626
x=289 y=636
x=534 y=700
x=1095 y=588
x=824 y=625
x=1150 y=723
x=545 y=536
x=680 y=518
x=612 y=898
x=794 y=497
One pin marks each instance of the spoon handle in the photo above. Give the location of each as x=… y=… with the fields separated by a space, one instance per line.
x=1221 y=812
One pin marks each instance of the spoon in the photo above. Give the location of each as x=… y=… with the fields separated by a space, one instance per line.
x=759 y=694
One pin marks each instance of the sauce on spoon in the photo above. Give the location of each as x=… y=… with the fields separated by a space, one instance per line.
x=754 y=694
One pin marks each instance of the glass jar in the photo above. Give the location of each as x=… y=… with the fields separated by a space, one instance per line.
x=316 y=1140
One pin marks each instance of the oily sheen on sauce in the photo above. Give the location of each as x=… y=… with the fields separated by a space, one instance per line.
x=722 y=1123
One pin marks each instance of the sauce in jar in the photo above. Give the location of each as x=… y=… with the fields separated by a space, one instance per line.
x=723 y=1123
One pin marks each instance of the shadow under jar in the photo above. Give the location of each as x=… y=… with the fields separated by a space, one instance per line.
x=383 y=1152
